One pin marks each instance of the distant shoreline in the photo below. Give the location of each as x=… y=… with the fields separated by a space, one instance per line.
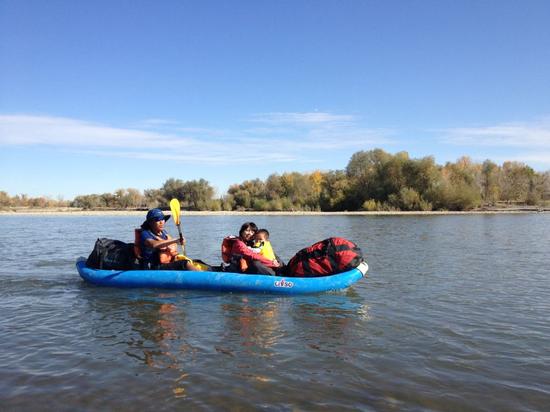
x=80 y=212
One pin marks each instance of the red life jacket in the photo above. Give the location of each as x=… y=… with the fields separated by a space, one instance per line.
x=327 y=257
x=228 y=257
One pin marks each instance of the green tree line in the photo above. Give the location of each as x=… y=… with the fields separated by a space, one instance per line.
x=373 y=180
x=379 y=181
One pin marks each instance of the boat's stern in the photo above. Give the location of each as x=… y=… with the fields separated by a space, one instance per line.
x=363 y=268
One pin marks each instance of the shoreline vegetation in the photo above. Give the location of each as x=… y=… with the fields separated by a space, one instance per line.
x=73 y=211
x=373 y=182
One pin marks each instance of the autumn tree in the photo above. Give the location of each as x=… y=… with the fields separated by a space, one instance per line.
x=517 y=182
x=246 y=193
x=335 y=190
x=490 y=176
x=197 y=194
x=458 y=188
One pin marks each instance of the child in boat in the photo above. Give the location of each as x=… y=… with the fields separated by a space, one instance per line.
x=262 y=245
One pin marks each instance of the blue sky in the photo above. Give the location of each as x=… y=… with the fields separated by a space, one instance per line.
x=101 y=95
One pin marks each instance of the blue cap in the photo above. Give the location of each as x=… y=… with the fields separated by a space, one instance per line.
x=156 y=215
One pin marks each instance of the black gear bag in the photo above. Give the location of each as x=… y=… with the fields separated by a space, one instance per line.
x=112 y=255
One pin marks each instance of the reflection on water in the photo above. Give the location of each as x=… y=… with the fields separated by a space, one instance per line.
x=254 y=327
x=454 y=316
x=245 y=333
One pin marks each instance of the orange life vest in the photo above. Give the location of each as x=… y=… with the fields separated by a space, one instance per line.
x=166 y=254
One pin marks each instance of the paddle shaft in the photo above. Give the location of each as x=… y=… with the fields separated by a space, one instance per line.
x=181 y=237
x=176 y=211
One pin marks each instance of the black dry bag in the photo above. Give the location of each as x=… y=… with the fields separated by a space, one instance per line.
x=112 y=254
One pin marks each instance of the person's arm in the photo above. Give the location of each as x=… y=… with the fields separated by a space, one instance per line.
x=159 y=244
x=239 y=248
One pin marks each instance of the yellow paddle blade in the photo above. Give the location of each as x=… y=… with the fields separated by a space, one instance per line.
x=175 y=208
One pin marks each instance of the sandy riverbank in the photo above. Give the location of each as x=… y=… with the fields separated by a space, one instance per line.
x=80 y=212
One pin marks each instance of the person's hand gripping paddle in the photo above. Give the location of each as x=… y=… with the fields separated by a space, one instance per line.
x=176 y=211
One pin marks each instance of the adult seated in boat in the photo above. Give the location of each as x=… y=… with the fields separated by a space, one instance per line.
x=254 y=262
x=158 y=248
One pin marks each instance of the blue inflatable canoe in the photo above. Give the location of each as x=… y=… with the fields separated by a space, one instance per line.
x=220 y=281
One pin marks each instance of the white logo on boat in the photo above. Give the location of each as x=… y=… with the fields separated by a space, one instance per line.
x=283 y=284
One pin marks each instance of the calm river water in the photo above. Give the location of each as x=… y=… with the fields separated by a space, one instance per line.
x=455 y=316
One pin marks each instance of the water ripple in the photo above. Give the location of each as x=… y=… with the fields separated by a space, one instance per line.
x=454 y=316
